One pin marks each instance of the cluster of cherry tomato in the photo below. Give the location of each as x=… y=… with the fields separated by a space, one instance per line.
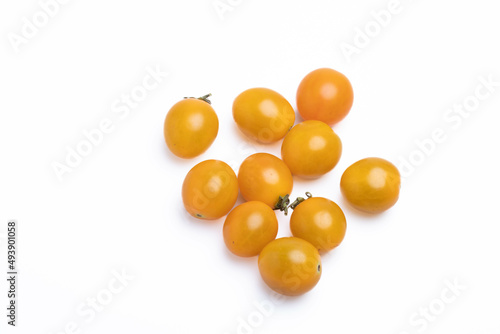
x=310 y=149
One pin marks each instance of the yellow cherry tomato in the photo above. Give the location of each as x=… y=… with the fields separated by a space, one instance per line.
x=311 y=149
x=290 y=266
x=249 y=227
x=264 y=177
x=324 y=95
x=319 y=221
x=263 y=114
x=210 y=190
x=371 y=185
x=190 y=127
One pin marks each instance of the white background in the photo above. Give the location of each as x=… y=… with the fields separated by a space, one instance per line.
x=120 y=209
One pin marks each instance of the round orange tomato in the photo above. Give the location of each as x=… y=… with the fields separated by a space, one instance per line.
x=311 y=149
x=319 y=221
x=263 y=115
x=210 y=190
x=249 y=227
x=190 y=127
x=290 y=266
x=371 y=185
x=325 y=95
x=264 y=177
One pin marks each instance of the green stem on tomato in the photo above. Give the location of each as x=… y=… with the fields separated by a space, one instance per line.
x=283 y=203
x=203 y=98
x=299 y=200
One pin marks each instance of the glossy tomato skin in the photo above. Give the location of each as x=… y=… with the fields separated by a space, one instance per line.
x=290 y=266
x=190 y=127
x=263 y=114
x=311 y=149
x=264 y=177
x=319 y=221
x=371 y=185
x=210 y=190
x=325 y=95
x=249 y=227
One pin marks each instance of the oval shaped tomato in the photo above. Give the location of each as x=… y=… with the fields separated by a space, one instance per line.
x=210 y=189
x=264 y=177
x=325 y=95
x=249 y=227
x=263 y=114
x=319 y=221
x=311 y=149
x=290 y=266
x=190 y=127
x=371 y=185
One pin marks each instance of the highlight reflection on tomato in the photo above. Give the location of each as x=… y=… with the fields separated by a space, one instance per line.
x=325 y=95
x=264 y=177
x=210 y=190
x=190 y=127
x=371 y=185
x=250 y=227
x=311 y=149
x=290 y=266
x=263 y=114
x=319 y=221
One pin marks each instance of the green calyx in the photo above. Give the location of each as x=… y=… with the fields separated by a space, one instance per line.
x=283 y=203
x=300 y=200
x=203 y=98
